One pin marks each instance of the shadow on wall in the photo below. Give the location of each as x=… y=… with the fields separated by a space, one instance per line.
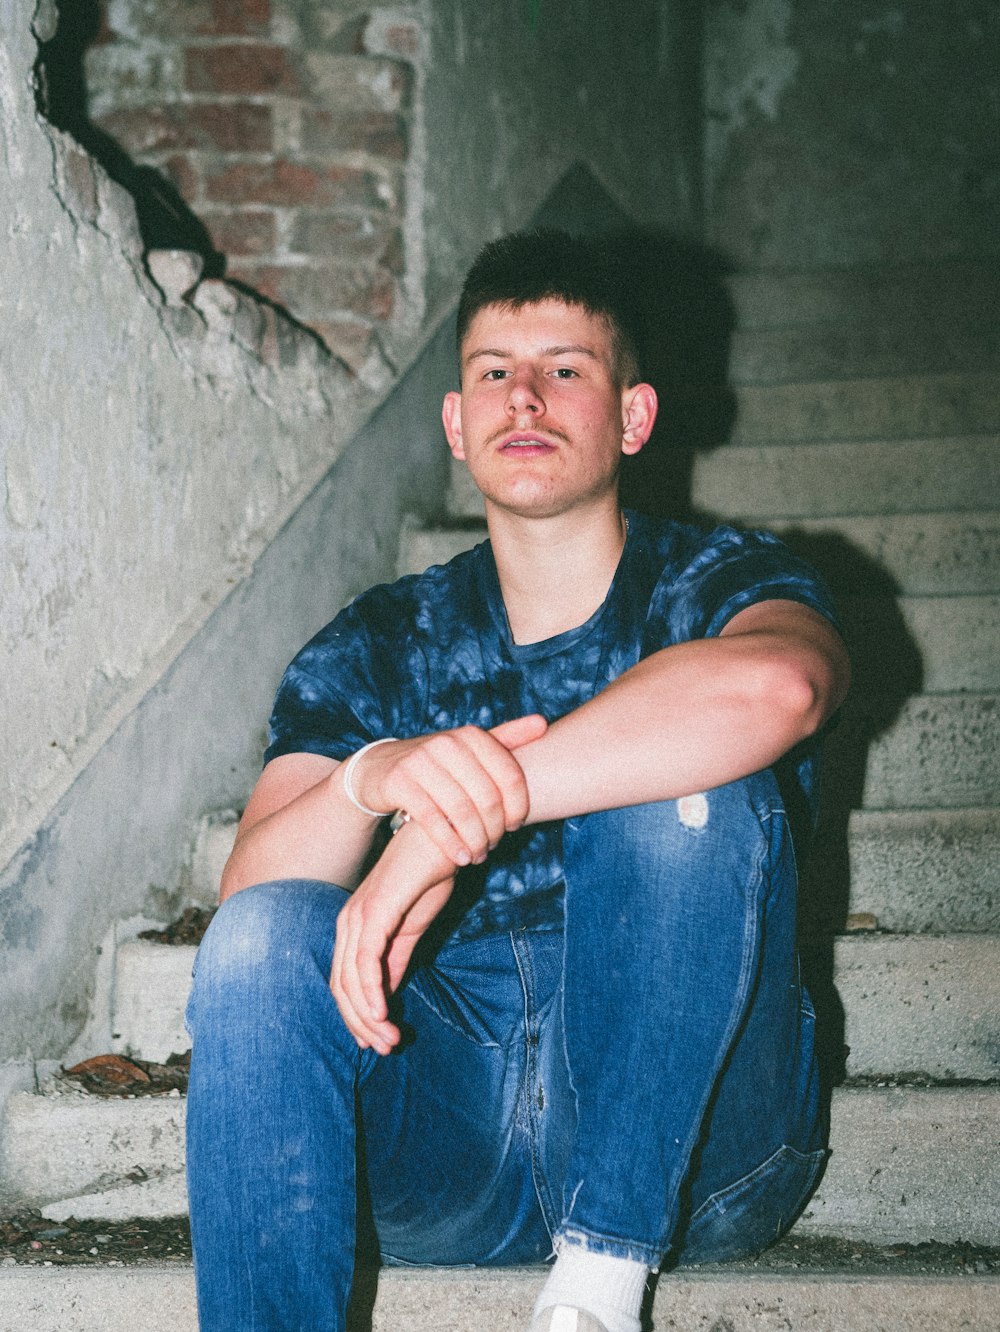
x=887 y=671
x=165 y=220
x=685 y=319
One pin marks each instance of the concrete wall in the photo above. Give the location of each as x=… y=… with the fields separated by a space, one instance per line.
x=852 y=131
x=508 y=103
x=152 y=452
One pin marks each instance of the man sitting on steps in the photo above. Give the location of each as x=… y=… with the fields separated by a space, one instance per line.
x=560 y=1008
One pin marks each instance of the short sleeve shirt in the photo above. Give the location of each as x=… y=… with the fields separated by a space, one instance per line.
x=434 y=651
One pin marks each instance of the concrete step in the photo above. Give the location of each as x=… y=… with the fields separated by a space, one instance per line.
x=916 y=554
x=908 y=1164
x=863 y=296
x=151 y=986
x=927 y=1004
x=933 y=554
x=915 y=871
x=125 y=1156
x=162 y=1299
x=893 y=407
x=934 y=751
x=420 y=547
x=921 y=1005
x=936 y=645
x=927 y=344
x=764 y=482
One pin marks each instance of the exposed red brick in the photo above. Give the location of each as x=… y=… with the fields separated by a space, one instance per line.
x=183 y=174
x=239 y=18
x=318 y=291
x=402 y=39
x=175 y=19
x=365 y=239
x=255 y=68
x=241 y=127
x=241 y=232
x=380 y=133
x=288 y=184
x=105 y=33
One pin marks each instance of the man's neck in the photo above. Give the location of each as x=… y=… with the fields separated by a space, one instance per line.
x=555 y=572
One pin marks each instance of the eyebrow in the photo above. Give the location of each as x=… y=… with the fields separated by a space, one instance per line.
x=564 y=349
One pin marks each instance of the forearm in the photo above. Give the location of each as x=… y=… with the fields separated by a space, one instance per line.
x=686 y=719
x=318 y=834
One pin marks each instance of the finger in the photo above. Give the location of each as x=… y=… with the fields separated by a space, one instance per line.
x=427 y=810
x=380 y=1037
x=363 y=976
x=507 y=774
x=472 y=798
x=520 y=731
x=445 y=780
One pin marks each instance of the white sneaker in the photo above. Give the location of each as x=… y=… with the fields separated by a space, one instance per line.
x=563 y=1318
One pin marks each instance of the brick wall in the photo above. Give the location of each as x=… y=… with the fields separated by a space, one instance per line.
x=285 y=126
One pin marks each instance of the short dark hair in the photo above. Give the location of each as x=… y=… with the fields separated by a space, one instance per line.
x=546 y=264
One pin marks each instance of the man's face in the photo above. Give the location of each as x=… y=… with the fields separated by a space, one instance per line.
x=540 y=421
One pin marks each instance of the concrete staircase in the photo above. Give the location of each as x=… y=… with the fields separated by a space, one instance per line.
x=868 y=433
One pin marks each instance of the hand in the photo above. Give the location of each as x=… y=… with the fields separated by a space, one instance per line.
x=463 y=787
x=378 y=929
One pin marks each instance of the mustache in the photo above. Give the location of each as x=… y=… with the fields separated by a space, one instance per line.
x=549 y=432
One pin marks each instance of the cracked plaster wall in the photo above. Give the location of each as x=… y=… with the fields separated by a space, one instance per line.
x=152 y=452
x=852 y=131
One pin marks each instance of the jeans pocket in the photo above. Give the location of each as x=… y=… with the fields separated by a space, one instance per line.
x=758 y=1209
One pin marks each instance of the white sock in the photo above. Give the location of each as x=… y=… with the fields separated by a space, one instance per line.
x=609 y=1288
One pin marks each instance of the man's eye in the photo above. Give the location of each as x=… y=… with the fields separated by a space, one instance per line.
x=564 y=372
x=495 y=374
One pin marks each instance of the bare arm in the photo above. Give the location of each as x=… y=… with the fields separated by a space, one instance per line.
x=686 y=719
x=299 y=823
x=463 y=787
x=693 y=716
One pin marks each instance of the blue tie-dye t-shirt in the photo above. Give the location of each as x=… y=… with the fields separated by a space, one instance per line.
x=434 y=651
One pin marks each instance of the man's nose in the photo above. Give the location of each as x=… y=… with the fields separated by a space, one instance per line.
x=525 y=393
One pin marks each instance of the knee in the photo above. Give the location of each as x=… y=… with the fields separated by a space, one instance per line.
x=265 y=936
x=735 y=814
x=711 y=841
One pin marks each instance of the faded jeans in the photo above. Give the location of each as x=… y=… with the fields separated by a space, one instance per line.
x=640 y=1080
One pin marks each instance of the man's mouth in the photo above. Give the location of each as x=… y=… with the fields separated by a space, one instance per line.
x=526 y=443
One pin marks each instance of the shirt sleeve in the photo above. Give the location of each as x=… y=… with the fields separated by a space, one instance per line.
x=730 y=571
x=326 y=703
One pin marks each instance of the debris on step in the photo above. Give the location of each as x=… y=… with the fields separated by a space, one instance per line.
x=114 y=1075
x=27 y=1238
x=189 y=928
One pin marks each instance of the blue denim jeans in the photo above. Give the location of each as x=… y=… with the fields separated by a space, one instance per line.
x=640 y=1080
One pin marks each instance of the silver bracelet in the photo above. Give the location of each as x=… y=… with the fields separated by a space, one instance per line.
x=349 y=767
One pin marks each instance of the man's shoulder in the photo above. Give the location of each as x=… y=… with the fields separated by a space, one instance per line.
x=418 y=603
x=679 y=545
x=439 y=583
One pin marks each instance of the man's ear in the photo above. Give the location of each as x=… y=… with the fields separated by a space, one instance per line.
x=639 y=406
x=451 y=415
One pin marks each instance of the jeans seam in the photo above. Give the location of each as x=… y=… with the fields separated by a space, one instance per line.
x=786 y=1149
x=736 y=1013
x=522 y=960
